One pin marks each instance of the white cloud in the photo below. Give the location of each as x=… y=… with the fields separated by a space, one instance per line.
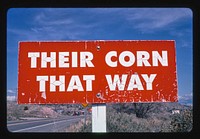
x=11 y=98
x=49 y=20
x=10 y=91
x=56 y=24
x=77 y=23
x=158 y=18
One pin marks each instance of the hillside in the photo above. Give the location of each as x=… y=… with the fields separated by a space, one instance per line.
x=22 y=111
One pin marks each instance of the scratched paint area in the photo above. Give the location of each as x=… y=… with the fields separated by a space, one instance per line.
x=83 y=72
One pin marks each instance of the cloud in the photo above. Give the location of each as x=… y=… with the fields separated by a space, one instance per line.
x=148 y=19
x=10 y=91
x=11 y=95
x=78 y=23
x=48 y=19
x=61 y=24
x=11 y=98
x=56 y=24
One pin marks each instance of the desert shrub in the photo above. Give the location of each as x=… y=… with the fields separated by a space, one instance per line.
x=81 y=126
x=123 y=107
x=182 y=122
x=25 y=108
x=142 y=109
x=118 y=122
x=123 y=122
x=87 y=127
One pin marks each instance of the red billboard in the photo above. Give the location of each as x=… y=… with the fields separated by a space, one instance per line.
x=58 y=72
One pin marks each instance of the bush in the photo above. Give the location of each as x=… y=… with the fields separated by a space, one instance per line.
x=182 y=122
x=123 y=122
x=80 y=126
x=119 y=120
x=25 y=108
x=142 y=110
x=87 y=127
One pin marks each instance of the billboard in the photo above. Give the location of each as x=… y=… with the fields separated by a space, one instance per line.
x=119 y=71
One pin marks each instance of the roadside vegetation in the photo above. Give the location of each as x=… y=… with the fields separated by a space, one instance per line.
x=152 y=118
x=129 y=117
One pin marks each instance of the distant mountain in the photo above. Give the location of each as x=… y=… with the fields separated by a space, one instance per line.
x=186 y=99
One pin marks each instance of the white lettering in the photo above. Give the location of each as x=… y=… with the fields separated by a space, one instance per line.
x=88 y=79
x=163 y=60
x=42 y=80
x=128 y=54
x=135 y=83
x=108 y=60
x=74 y=59
x=149 y=80
x=116 y=82
x=33 y=56
x=63 y=59
x=51 y=59
x=60 y=83
x=75 y=83
x=127 y=58
x=142 y=58
x=86 y=58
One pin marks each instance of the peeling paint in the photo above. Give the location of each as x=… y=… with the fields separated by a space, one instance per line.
x=163 y=100
x=157 y=85
x=85 y=45
x=43 y=95
x=106 y=91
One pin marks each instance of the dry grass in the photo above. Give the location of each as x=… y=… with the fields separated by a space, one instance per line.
x=118 y=119
x=80 y=126
x=124 y=122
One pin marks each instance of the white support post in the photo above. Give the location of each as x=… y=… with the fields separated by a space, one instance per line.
x=98 y=117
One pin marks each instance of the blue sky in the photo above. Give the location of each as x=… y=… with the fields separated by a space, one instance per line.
x=34 y=24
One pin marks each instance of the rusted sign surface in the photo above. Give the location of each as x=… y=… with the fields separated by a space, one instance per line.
x=97 y=72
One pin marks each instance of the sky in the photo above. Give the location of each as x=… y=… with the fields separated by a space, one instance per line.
x=45 y=24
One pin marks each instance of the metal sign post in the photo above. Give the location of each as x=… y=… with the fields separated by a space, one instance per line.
x=85 y=117
x=85 y=114
x=99 y=117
